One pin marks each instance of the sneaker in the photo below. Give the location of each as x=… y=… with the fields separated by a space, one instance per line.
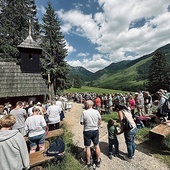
x=116 y=155
x=129 y=159
x=98 y=163
x=89 y=166
x=110 y=156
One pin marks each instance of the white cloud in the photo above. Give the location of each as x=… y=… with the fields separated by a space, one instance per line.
x=82 y=54
x=109 y=30
x=41 y=10
x=70 y=48
x=84 y=24
x=93 y=64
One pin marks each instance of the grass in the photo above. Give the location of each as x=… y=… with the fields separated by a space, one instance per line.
x=84 y=89
x=112 y=115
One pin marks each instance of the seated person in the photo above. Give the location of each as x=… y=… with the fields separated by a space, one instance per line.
x=36 y=127
x=13 y=148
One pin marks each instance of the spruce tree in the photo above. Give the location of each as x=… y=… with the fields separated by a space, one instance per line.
x=54 y=51
x=77 y=82
x=14 y=24
x=159 y=73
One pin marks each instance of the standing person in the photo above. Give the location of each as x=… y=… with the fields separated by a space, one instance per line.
x=61 y=105
x=98 y=103
x=30 y=107
x=160 y=114
x=132 y=105
x=139 y=103
x=13 y=149
x=147 y=102
x=20 y=115
x=91 y=118
x=124 y=113
x=53 y=113
x=112 y=138
x=36 y=127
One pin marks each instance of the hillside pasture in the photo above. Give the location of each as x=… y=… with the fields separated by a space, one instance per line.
x=97 y=90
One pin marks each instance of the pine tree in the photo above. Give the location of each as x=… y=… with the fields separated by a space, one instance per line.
x=159 y=73
x=54 y=51
x=77 y=82
x=14 y=24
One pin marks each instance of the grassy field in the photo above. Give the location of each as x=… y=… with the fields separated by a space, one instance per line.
x=93 y=90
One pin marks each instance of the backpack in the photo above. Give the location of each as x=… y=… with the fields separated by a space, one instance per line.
x=56 y=149
x=166 y=107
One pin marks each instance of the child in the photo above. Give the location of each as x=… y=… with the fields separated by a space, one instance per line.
x=112 y=138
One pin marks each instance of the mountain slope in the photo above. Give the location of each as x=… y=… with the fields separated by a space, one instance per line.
x=81 y=72
x=133 y=76
x=125 y=75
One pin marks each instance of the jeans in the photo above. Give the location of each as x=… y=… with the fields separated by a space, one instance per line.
x=129 y=139
x=36 y=140
x=116 y=146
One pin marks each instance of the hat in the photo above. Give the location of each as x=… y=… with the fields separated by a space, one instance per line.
x=122 y=102
x=38 y=103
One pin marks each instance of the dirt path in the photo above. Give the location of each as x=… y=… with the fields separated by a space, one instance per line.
x=143 y=160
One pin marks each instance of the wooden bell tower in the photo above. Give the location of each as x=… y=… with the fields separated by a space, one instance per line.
x=30 y=53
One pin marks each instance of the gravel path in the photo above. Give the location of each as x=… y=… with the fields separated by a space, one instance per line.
x=143 y=160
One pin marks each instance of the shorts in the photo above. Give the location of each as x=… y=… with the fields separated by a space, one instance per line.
x=36 y=140
x=91 y=135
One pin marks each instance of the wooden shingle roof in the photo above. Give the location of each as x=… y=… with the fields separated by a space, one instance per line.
x=14 y=83
x=29 y=43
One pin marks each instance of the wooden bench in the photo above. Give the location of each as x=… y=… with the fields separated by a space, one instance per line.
x=38 y=158
x=51 y=134
x=159 y=132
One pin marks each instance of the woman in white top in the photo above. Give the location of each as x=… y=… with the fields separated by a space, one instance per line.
x=129 y=134
x=36 y=127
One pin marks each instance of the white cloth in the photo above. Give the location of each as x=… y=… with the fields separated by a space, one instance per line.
x=90 y=118
x=19 y=115
x=34 y=125
x=54 y=114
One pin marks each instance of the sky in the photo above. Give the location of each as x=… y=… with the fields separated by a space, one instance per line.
x=101 y=32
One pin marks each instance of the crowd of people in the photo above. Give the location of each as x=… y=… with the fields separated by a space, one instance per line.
x=140 y=103
x=127 y=107
x=34 y=120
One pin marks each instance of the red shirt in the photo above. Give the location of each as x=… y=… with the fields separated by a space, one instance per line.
x=132 y=104
x=98 y=101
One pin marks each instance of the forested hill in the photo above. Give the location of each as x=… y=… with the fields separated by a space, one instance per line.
x=81 y=72
x=124 y=75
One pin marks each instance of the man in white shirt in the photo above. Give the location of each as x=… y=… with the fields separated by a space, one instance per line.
x=91 y=119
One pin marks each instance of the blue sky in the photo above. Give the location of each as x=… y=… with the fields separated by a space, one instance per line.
x=100 y=32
